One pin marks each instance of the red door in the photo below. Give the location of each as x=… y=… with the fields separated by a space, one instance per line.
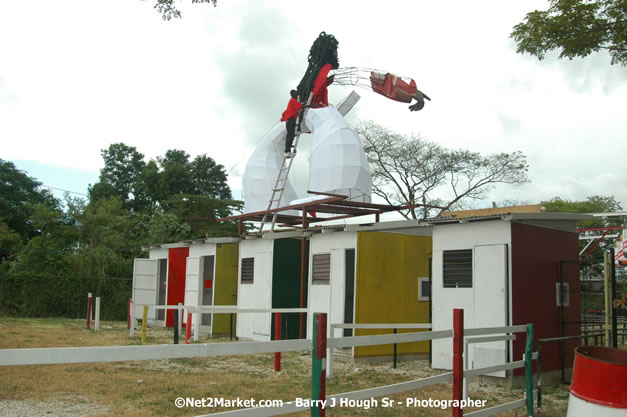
x=176 y=280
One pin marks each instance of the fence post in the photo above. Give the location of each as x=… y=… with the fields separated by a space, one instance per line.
x=458 y=366
x=318 y=364
x=330 y=353
x=529 y=369
x=176 y=326
x=277 y=336
x=180 y=314
x=97 y=317
x=394 y=354
x=539 y=377
x=88 y=310
x=144 y=323
x=128 y=313
x=188 y=328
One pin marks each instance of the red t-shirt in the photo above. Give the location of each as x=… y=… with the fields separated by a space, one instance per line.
x=320 y=92
x=292 y=109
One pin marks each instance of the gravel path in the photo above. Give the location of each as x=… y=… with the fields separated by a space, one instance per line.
x=66 y=406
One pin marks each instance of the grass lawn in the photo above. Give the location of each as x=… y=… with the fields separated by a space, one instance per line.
x=149 y=388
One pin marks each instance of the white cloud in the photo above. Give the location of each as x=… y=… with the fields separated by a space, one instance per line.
x=76 y=76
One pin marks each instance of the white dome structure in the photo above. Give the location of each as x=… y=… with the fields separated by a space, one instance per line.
x=338 y=163
x=262 y=170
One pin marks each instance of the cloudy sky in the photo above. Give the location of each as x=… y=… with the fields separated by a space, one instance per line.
x=78 y=75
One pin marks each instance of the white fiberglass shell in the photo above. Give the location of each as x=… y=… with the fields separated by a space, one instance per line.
x=337 y=163
x=262 y=171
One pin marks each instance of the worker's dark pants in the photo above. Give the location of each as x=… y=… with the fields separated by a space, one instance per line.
x=290 y=126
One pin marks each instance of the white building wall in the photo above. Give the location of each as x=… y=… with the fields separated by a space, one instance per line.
x=158 y=253
x=329 y=298
x=488 y=302
x=255 y=326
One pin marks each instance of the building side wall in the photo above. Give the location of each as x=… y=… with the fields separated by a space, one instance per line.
x=286 y=284
x=225 y=288
x=386 y=289
x=537 y=253
x=258 y=294
x=329 y=298
x=158 y=253
x=176 y=280
x=486 y=234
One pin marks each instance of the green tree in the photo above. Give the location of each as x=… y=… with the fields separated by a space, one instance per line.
x=168 y=10
x=577 y=28
x=175 y=175
x=593 y=204
x=412 y=170
x=593 y=268
x=19 y=193
x=201 y=211
x=123 y=167
x=209 y=178
x=37 y=281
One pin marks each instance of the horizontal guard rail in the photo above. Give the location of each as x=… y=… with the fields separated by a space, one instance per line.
x=486 y=412
x=490 y=338
x=495 y=330
x=382 y=326
x=47 y=356
x=386 y=339
x=290 y=407
x=495 y=368
x=222 y=309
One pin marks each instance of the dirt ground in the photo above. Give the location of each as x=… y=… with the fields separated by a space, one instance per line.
x=150 y=388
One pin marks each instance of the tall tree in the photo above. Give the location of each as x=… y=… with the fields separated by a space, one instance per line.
x=19 y=193
x=175 y=176
x=577 y=28
x=168 y=10
x=593 y=204
x=209 y=178
x=412 y=170
x=123 y=166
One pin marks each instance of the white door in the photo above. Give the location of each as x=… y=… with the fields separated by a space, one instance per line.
x=145 y=281
x=490 y=292
x=193 y=271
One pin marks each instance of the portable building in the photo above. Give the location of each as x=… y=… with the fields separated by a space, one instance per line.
x=376 y=273
x=197 y=272
x=506 y=269
x=270 y=277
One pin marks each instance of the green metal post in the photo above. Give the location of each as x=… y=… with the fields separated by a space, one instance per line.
x=529 y=369
x=318 y=364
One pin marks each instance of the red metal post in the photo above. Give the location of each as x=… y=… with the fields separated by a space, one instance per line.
x=188 y=328
x=318 y=362
x=277 y=336
x=89 y=299
x=458 y=364
x=321 y=353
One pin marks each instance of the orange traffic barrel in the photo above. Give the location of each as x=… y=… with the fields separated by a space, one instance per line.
x=599 y=385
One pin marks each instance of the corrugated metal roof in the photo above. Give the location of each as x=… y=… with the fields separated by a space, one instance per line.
x=463 y=214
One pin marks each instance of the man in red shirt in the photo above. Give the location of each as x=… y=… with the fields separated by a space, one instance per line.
x=289 y=116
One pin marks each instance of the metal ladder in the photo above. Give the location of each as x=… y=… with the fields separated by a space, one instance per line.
x=279 y=186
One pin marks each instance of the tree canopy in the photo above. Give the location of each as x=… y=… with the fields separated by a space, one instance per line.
x=412 y=170
x=52 y=254
x=168 y=10
x=576 y=28
x=19 y=193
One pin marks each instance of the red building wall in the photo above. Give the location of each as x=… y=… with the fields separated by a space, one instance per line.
x=536 y=255
x=177 y=260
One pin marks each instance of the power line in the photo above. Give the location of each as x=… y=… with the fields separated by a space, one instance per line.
x=61 y=189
